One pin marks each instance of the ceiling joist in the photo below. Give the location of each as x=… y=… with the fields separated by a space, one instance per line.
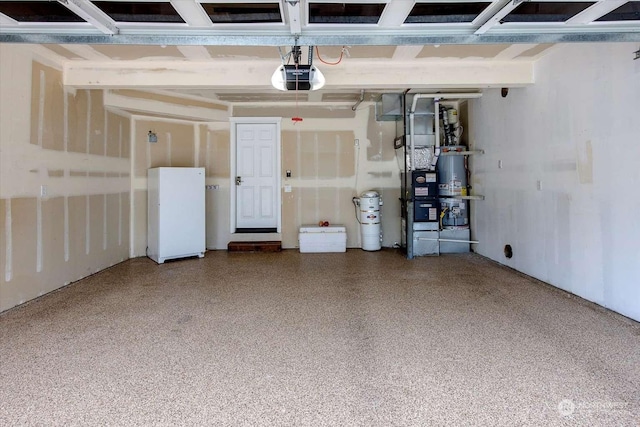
x=354 y=75
x=90 y=13
x=282 y=22
x=495 y=19
x=396 y=13
x=594 y=12
x=192 y=13
x=352 y=39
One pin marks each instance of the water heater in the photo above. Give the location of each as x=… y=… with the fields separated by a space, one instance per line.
x=452 y=173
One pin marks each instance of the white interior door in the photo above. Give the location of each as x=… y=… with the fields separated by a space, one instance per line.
x=256 y=176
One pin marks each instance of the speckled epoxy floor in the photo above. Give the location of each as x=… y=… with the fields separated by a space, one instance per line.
x=363 y=339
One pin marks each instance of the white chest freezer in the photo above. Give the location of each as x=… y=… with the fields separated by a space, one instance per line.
x=313 y=238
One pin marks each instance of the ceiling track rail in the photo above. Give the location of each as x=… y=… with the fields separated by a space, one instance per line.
x=319 y=40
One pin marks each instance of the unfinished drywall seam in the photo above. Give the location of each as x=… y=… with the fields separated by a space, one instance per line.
x=208 y=152
x=41 y=108
x=168 y=136
x=196 y=145
x=87 y=226
x=8 y=261
x=119 y=219
x=65 y=125
x=66 y=228
x=105 y=131
x=104 y=222
x=132 y=171
x=299 y=174
x=584 y=156
x=38 y=234
x=88 y=132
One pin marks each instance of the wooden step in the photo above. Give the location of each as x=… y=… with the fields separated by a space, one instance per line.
x=271 y=246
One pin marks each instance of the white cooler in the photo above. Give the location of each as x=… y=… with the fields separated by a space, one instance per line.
x=323 y=239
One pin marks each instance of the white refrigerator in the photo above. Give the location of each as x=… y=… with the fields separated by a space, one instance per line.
x=176 y=213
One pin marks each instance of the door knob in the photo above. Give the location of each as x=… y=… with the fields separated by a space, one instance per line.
x=238 y=180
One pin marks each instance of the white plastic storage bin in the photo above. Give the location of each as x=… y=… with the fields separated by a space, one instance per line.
x=322 y=239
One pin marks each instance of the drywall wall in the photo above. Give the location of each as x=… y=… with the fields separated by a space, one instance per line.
x=564 y=198
x=328 y=168
x=177 y=145
x=333 y=160
x=64 y=179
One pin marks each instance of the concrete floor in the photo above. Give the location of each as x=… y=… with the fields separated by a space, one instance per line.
x=363 y=339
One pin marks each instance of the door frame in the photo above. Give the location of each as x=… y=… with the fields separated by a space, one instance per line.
x=233 y=156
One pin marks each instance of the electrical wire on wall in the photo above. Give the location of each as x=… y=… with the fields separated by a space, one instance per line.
x=331 y=63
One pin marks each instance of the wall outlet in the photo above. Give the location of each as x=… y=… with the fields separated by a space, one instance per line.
x=499 y=164
x=43 y=191
x=212 y=187
x=539 y=185
x=356 y=142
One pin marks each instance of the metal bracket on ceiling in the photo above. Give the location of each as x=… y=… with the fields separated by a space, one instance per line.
x=294 y=16
x=637 y=52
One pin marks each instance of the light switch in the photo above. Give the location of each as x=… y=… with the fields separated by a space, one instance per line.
x=287 y=189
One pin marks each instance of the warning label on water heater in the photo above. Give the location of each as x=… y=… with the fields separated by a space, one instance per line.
x=433 y=214
x=422 y=191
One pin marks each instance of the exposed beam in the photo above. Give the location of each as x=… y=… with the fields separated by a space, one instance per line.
x=628 y=33
x=256 y=75
x=5 y=21
x=192 y=13
x=495 y=19
x=90 y=13
x=395 y=13
x=488 y=12
x=595 y=11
